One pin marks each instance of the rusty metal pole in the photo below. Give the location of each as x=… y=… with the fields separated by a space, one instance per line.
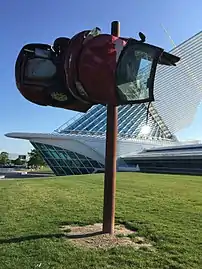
x=110 y=159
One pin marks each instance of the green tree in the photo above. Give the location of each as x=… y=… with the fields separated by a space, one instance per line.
x=35 y=159
x=4 y=158
x=18 y=161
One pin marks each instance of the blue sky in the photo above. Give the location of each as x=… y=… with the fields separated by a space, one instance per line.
x=25 y=21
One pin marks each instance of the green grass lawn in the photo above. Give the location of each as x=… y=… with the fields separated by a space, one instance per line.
x=166 y=209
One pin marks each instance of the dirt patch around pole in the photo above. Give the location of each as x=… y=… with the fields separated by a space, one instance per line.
x=91 y=236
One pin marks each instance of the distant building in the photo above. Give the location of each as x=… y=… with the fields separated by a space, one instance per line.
x=14 y=156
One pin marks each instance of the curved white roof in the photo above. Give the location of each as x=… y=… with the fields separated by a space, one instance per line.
x=178 y=90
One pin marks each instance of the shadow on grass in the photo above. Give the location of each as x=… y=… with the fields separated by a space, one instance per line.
x=73 y=223
x=30 y=237
x=77 y=236
x=46 y=236
x=65 y=234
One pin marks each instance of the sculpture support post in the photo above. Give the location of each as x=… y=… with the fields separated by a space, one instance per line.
x=110 y=159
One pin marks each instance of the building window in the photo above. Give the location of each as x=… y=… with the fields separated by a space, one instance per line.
x=64 y=162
